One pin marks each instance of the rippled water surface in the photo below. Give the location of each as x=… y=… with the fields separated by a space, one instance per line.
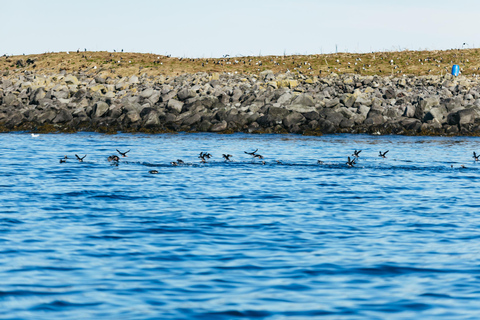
x=394 y=238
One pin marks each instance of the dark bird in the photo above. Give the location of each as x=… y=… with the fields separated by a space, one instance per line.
x=80 y=159
x=351 y=162
x=319 y=162
x=380 y=154
x=251 y=153
x=356 y=153
x=475 y=156
x=123 y=154
x=227 y=157
x=64 y=159
x=258 y=156
x=113 y=158
x=207 y=155
x=174 y=163
x=180 y=161
x=202 y=156
x=153 y=171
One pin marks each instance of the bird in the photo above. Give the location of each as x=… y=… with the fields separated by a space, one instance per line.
x=180 y=161
x=124 y=154
x=227 y=157
x=174 y=163
x=351 y=162
x=35 y=135
x=383 y=154
x=80 y=159
x=202 y=156
x=356 y=153
x=64 y=159
x=251 y=153
x=475 y=156
x=258 y=156
x=319 y=162
x=113 y=158
x=153 y=171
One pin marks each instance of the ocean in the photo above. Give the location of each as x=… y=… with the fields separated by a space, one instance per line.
x=290 y=238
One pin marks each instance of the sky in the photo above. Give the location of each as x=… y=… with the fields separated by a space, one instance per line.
x=213 y=28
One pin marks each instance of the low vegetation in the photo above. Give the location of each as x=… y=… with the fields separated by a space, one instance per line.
x=127 y=64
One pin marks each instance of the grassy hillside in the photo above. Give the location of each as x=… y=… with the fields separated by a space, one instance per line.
x=126 y=64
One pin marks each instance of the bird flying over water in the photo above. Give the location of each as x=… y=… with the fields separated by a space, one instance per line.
x=80 y=159
x=123 y=154
x=350 y=162
x=356 y=153
x=227 y=157
x=251 y=153
x=475 y=156
x=380 y=154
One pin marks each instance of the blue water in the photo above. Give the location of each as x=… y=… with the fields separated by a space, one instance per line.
x=394 y=238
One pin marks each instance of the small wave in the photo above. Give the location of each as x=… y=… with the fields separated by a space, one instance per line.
x=59 y=305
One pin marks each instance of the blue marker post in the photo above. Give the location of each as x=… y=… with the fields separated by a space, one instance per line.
x=455 y=70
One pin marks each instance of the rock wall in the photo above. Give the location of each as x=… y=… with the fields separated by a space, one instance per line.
x=264 y=103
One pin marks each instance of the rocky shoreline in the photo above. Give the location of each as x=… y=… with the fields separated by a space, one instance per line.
x=227 y=103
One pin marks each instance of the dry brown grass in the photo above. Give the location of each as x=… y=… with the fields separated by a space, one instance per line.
x=127 y=64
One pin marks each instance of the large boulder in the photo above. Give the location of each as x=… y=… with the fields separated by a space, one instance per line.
x=63 y=116
x=465 y=116
x=374 y=119
x=438 y=113
x=218 y=127
x=37 y=95
x=175 y=105
x=100 y=109
x=409 y=111
x=292 y=119
x=304 y=100
x=425 y=105
x=71 y=79
x=151 y=120
x=147 y=93
x=185 y=94
x=277 y=114
x=348 y=99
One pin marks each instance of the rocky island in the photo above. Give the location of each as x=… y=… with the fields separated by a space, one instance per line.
x=101 y=99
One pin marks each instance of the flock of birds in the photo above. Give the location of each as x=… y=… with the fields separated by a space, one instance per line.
x=205 y=156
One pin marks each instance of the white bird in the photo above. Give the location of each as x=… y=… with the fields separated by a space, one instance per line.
x=35 y=135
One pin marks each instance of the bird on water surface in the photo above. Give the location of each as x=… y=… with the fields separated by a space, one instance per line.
x=113 y=158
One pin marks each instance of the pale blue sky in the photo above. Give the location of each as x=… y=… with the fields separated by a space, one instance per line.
x=212 y=28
